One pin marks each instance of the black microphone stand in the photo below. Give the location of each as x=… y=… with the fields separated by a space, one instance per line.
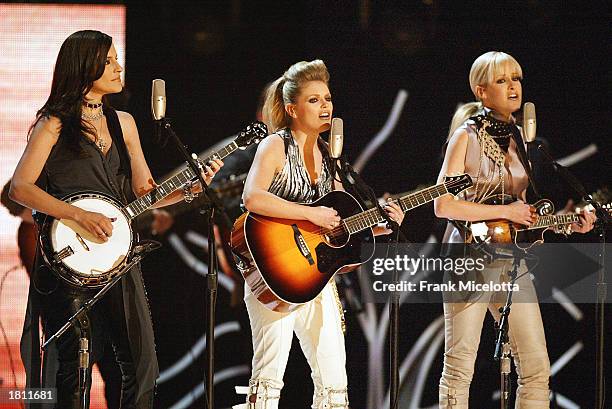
x=502 y=344
x=81 y=319
x=602 y=220
x=84 y=341
x=211 y=277
x=349 y=177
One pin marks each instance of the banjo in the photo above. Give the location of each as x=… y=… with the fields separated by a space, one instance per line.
x=83 y=259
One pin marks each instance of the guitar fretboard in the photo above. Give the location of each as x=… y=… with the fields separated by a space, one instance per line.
x=372 y=217
x=177 y=181
x=554 y=220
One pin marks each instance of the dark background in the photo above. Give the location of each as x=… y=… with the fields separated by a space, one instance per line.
x=216 y=56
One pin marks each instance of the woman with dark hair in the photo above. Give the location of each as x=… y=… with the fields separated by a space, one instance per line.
x=78 y=143
x=292 y=166
x=482 y=142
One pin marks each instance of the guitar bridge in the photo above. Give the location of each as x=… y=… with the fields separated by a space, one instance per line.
x=301 y=244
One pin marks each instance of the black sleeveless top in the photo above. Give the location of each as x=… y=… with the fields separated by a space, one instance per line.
x=68 y=171
x=65 y=172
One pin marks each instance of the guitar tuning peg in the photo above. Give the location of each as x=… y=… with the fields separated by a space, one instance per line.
x=194 y=156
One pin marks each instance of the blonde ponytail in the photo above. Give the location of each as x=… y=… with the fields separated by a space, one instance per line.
x=273 y=110
x=461 y=115
x=285 y=90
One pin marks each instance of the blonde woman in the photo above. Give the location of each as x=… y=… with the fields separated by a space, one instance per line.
x=291 y=166
x=495 y=80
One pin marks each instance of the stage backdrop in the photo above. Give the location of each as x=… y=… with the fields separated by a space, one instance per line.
x=30 y=38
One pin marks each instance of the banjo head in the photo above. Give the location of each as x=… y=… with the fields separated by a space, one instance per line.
x=82 y=258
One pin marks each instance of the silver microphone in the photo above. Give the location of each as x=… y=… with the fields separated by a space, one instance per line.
x=158 y=99
x=529 y=122
x=336 y=138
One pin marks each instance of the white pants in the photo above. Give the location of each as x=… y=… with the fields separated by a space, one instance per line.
x=318 y=327
x=463 y=325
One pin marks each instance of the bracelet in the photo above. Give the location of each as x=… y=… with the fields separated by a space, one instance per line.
x=565 y=230
x=188 y=194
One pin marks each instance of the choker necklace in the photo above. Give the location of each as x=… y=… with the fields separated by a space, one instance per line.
x=92 y=106
x=500 y=131
x=92 y=117
x=95 y=116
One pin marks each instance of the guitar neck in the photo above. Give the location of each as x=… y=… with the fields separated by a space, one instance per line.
x=146 y=201
x=223 y=191
x=554 y=220
x=372 y=217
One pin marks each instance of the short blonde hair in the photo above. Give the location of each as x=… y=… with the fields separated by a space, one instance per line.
x=483 y=72
x=487 y=66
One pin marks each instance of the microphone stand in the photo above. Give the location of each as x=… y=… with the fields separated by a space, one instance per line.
x=348 y=176
x=84 y=349
x=502 y=344
x=80 y=318
x=211 y=277
x=602 y=220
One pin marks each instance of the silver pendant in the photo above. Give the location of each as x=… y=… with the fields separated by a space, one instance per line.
x=101 y=144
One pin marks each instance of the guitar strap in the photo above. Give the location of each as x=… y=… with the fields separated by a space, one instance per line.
x=324 y=147
x=522 y=155
x=114 y=128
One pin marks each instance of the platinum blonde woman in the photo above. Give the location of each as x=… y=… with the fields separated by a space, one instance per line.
x=494 y=162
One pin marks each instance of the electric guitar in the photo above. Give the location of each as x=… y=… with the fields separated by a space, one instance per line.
x=84 y=260
x=288 y=262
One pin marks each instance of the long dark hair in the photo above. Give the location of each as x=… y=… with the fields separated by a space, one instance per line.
x=81 y=61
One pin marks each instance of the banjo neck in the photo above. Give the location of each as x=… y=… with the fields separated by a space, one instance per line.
x=177 y=181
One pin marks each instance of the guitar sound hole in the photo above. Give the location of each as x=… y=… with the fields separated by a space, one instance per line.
x=335 y=237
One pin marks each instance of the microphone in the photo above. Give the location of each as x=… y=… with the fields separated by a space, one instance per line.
x=529 y=130
x=336 y=141
x=158 y=107
x=158 y=99
x=529 y=122
x=336 y=138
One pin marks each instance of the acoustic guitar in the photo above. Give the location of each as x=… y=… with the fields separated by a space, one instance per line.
x=288 y=262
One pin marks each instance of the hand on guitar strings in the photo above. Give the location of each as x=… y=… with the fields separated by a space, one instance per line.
x=587 y=218
x=394 y=211
x=587 y=221
x=95 y=223
x=323 y=216
x=208 y=172
x=521 y=213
